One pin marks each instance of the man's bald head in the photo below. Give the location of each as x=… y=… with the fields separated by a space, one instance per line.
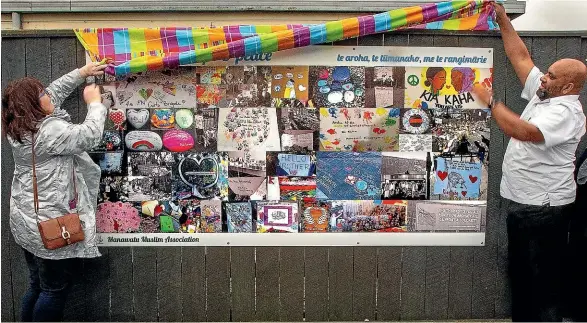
x=574 y=71
x=565 y=77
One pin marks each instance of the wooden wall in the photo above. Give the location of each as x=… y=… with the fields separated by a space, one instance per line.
x=289 y=283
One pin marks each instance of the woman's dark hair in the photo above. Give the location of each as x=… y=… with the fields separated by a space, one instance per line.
x=430 y=72
x=21 y=109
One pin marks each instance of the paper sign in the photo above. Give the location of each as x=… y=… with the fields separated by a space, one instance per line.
x=368 y=129
x=457 y=179
x=294 y=165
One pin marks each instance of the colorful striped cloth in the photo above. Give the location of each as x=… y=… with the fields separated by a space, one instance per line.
x=132 y=50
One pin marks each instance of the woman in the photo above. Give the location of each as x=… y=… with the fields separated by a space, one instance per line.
x=31 y=113
x=435 y=79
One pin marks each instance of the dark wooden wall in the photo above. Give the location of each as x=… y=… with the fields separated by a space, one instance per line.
x=289 y=283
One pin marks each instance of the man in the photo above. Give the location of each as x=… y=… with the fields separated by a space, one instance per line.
x=537 y=183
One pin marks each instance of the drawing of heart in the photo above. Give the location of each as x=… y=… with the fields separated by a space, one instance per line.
x=198 y=173
x=137 y=118
x=463 y=193
x=442 y=175
x=117 y=116
x=145 y=93
x=472 y=178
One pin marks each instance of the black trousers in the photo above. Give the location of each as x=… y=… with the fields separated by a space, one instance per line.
x=576 y=273
x=537 y=242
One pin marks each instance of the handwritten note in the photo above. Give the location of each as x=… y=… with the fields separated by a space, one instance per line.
x=248 y=129
x=359 y=129
x=156 y=91
x=294 y=165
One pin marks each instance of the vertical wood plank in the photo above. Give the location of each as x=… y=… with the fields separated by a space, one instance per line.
x=193 y=287
x=484 y=261
x=267 y=276
x=438 y=258
x=168 y=283
x=13 y=67
x=340 y=278
x=316 y=283
x=371 y=40
x=120 y=264
x=389 y=259
x=511 y=96
x=97 y=292
x=218 y=284
x=346 y=42
x=64 y=61
x=242 y=273
x=389 y=283
x=364 y=283
x=78 y=115
x=145 y=283
x=460 y=287
x=437 y=282
x=291 y=284
x=75 y=306
x=413 y=289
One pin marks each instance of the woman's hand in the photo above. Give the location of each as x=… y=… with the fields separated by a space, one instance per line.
x=93 y=69
x=92 y=94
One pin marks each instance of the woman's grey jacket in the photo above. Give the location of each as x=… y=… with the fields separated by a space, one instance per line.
x=60 y=147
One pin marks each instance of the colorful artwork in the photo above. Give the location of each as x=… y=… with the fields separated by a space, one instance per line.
x=348 y=176
x=443 y=88
x=338 y=87
x=239 y=217
x=368 y=216
x=316 y=216
x=290 y=82
x=373 y=129
x=277 y=216
x=117 y=217
x=457 y=179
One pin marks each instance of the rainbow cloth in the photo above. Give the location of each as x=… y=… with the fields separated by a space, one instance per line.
x=133 y=50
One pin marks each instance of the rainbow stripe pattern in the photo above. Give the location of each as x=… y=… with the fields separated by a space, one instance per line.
x=131 y=50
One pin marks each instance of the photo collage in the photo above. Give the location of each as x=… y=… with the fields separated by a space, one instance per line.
x=294 y=149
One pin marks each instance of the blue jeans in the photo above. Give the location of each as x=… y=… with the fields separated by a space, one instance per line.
x=50 y=280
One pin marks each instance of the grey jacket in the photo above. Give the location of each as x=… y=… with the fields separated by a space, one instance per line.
x=59 y=148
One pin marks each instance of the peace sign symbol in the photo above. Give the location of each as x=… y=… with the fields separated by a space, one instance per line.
x=413 y=80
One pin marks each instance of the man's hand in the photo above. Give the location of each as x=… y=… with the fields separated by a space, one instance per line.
x=92 y=69
x=499 y=11
x=483 y=93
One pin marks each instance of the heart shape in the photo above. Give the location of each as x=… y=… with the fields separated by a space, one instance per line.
x=137 y=117
x=463 y=193
x=442 y=175
x=146 y=93
x=301 y=88
x=117 y=116
x=472 y=178
x=194 y=172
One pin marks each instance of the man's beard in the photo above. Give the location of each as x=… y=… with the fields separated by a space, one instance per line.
x=542 y=94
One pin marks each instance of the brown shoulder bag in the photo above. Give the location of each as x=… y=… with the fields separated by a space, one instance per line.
x=61 y=231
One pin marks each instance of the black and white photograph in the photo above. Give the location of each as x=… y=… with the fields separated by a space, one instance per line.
x=111 y=163
x=206 y=128
x=404 y=176
x=113 y=189
x=299 y=128
x=384 y=86
x=246 y=164
x=146 y=188
x=263 y=77
x=242 y=95
x=149 y=163
x=462 y=132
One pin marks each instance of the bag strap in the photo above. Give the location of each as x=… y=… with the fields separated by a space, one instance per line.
x=35 y=185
